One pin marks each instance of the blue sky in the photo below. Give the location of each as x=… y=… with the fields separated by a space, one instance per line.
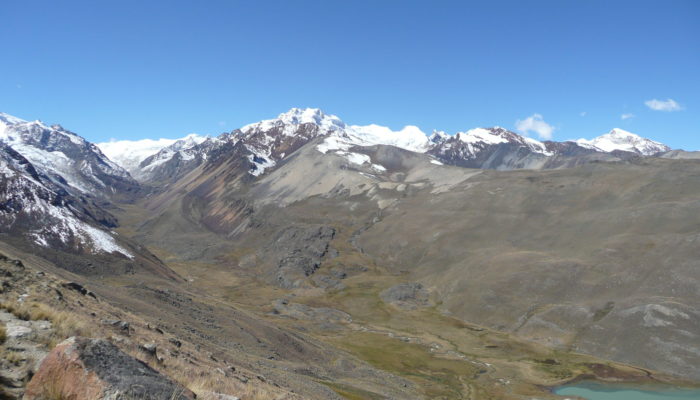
x=134 y=69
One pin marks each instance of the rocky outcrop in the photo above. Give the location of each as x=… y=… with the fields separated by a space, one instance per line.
x=95 y=369
x=324 y=315
x=406 y=295
x=22 y=352
x=298 y=252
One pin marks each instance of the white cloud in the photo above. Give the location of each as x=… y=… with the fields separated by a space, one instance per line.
x=663 y=105
x=535 y=123
x=222 y=123
x=626 y=116
x=583 y=113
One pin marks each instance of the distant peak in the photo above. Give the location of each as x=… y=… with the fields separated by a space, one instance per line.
x=308 y=115
x=438 y=136
x=308 y=111
x=620 y=139
x=298 y=116
x=481 y=135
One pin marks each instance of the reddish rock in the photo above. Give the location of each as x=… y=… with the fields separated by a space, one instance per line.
x=95 y=369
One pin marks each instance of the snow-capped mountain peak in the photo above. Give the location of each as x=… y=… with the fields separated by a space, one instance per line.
x=298 y=116
x=187 y=142
x=620 y=139
x=130 y=153
x=438 y=136
x=482 y=135
x=409 y=138
x=66 y=158
x=477 y=139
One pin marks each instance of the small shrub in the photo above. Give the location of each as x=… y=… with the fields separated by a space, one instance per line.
x=38 y=311
x=17 y=309
x=67 y=325
x=28 y=312
x=14 y=357
x=3 y=334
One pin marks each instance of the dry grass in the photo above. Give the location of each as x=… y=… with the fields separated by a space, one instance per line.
x=28 y=311
x=19 y=310
x=206 y=387
x=53 y=389
x=65 y=324
x=206 y=380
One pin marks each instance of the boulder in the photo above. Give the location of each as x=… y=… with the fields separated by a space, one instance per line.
x=218 y=396
x=95 y=369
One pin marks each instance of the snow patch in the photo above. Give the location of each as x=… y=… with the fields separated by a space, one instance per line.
x=355 y=158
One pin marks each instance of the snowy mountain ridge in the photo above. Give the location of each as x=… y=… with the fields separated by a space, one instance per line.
x=38 y=209
x=619 y=139
x=269 y=141
x=66 y=158
x=130 y=153
x=341 y=136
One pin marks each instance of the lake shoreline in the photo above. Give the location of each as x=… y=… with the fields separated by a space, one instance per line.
x=597 y=390
x=650 y=383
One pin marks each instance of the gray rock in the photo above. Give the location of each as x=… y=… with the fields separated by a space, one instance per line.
x=95 y=369
x=219 y=396
x=150 y=348
x=407 y=295
x=25 y=339
x=304 y=312
x=297 y=252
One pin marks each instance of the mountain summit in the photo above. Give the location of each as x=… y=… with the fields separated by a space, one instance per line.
x=619 y=139
x=67 y=159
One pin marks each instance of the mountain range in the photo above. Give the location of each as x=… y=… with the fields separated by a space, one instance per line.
x=491 y=148
x=333 y=243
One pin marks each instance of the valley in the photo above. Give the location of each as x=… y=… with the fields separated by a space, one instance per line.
x=307 y=258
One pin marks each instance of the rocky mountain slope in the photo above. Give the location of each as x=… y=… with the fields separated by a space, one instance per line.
x=65 y=158
x=56 y=208
x=48 y=215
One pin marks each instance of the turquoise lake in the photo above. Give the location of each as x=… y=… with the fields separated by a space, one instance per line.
x=598 y=391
